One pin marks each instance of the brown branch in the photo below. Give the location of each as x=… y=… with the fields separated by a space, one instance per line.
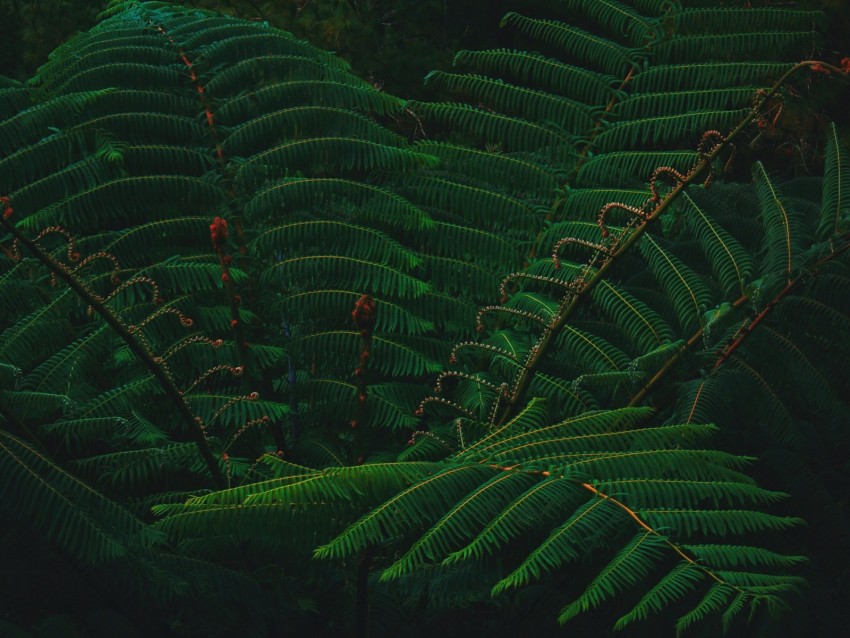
x=631 y=514
x=678 y=550
x=156 y=369
x=571 y=301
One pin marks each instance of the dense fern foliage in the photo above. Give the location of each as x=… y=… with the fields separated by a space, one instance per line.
x=281 y=351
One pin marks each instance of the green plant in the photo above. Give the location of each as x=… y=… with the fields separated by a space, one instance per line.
x=247 y=188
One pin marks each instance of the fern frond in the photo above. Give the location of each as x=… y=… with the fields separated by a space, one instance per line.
x=695 y=522
x=32 y=161
x=56 y=373
x=541 y=501
x=686 y=291
x=567 y=542
x=340 y=238
x=300 y=122
x=783 y=45
x=573 y=82
x=444 y=273
x=131 y=469
x=517 y=174
x=318 y=154
x=30 y=125
x=675 y=585
x=588 y=351
x=37 y=334
x=313 y=270
x=654 y=492
x=835 y=209
x=620 y=167
x=784 y=232
x=303 y=92
x=643 y=325
x=715 y=599
x=657 y=7
x=92 y=208
x=380 y=206
x=392 y=317
x=244 y=74
x=587 y=48
x=720 y=19
x=509 y=98
x=734 y=556
x=645 y=105
x=424 y=501
x=730 y=262
x=54 y=187
x=481 y=207
x=665 y=129
x=707 y=75
x=264 y=42
x=79 y=519
x=460 y=240
x=459 y=523
x=631 y=564
x=392 y=356
x=511 y=133
x=620 y=19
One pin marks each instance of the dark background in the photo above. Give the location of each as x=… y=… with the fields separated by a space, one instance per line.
x=392 y=42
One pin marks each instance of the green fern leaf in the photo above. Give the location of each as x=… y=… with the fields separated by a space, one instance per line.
x=567 y=542
x=459 y=523
x=674 y=586
x=688 y=294
x=707 y=75
x=423 y=501
x=835 y=210
x=629 y=566
x=644 y=326
x=609 y=57
x=573 y=82
x=509 y=133
x=529 y=104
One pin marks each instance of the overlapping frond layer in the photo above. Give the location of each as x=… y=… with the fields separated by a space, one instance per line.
x=689 y=284
x=234 y=199
x=168 y=117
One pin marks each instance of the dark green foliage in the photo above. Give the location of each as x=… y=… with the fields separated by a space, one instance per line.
x=292 y=416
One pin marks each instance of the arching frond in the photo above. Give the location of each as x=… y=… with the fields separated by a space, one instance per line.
x=573 y=82
x=730 y=262
x=511 y=133
x=688 y=294
x=835 y=209
x=509 y=98
x=587 y=48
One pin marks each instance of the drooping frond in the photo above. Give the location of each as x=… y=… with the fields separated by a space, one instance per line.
x=55 y=503
x=581 y=45
x=575 y=82
x=835 y=207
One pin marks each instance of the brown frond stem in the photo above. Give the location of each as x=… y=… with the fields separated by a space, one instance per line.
x=209 y=113
x=631 y=514
x=682 y=181
x=748 y=328
x=789 y=287
x=144 y=355
x=711 y=144
x=650 y=530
